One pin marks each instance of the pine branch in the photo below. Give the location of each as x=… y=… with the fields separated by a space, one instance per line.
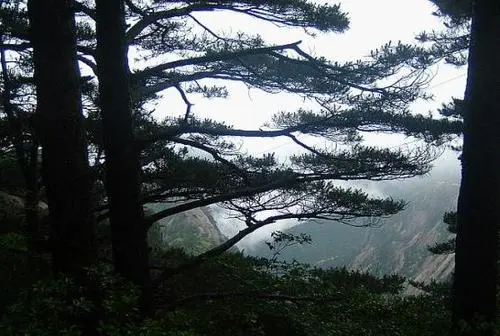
x=248 y=191
x=215 y=154
x=151 y=18
x=222 y=56
x=170 y=132
x=218 y=250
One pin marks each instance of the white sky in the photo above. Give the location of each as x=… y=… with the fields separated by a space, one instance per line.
x=373 y=23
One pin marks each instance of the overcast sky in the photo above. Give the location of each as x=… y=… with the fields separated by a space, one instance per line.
x=373 y=23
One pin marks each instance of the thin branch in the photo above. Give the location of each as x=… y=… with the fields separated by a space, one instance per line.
x=151 y=18
x=219 y=198
x=189 y=105
x=86 y=50
x=79 y=7
x=180 y=78
x=309 y=148
x=321 y=66
x=211 y=32
x=157 y=195
x=215 y=154
x=170 y=132
x=223 y=56
x=88 y=63
x=134 y=8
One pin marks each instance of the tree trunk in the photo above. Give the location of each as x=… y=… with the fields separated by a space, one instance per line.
x=474 y=296
x=128 y=231
x=60 y=128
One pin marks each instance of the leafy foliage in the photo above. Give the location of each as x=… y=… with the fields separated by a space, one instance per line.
x=230 y=295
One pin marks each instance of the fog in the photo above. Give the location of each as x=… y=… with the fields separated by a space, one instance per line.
x=446 y=168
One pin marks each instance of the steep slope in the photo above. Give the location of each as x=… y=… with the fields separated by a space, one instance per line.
x=397 y=244
x=400 y=244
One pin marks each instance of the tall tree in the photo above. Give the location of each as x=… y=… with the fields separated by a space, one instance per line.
x=65 y=170
x=349 y=100
x=478 y=218
x=129 y=234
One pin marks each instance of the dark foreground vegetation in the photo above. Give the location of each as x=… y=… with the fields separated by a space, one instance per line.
x=230 y=295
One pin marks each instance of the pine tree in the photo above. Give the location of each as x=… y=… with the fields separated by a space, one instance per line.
x=351 y=100
x=476 y=221
x=129 y=234
x=475 y=280
x=60 y=128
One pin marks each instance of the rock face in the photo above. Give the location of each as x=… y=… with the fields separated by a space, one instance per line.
x=400 y=245
x=195 y=231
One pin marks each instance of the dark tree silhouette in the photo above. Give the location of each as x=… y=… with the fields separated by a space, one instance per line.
x=478 y=217
x=129 y=244
x=60 y=128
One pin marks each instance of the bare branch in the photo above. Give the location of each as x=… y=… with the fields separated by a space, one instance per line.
x=79 y=7
x=134 y=8
x=189 y=105
x=211 y=32
x=88 y=63
x=219 y=198
x=180 y=78
x=151 y=18
x=15 y=46
x=307 y=147
x=321 y=66
x=169 y=132
x=86 y=50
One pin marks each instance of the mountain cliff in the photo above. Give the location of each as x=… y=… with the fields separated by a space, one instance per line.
x=397 y=244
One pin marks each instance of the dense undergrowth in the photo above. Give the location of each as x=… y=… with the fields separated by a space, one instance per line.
x=229 y=295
